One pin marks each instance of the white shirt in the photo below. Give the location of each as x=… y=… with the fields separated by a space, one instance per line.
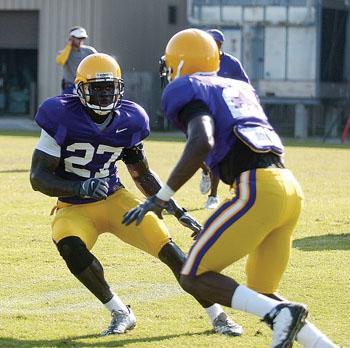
x=48 y=145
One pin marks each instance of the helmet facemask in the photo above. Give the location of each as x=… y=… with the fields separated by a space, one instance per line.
x=166 y=72
x=101 y=95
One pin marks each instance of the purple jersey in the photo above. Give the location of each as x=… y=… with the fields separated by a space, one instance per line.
x=232 y=68
x=234 y=107
x=86 y=151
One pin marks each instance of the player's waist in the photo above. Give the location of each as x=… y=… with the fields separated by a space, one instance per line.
x=67 y=201
x=268 y=160
x=232 y=166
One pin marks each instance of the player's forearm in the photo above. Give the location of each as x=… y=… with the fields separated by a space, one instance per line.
x=200 y=133
x=185 y=168
x=190 y=161
x=53 y=186
x=148 y=183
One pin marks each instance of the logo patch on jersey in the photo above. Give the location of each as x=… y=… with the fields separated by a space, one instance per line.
x=121 y=130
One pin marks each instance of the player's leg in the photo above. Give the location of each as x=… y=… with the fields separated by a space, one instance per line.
x=174 y=258
x=153 y=237
x=273 y=255
x=75 y=233
x=205 y=182
x=213 y=199
x=309 y=335
x=233 y=231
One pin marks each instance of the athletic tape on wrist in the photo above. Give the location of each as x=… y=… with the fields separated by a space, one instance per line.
x=165 y=193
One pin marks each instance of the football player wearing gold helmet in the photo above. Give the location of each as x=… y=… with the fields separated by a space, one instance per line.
x=227 y=128
x=83 y=138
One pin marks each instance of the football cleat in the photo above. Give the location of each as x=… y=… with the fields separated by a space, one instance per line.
x=205 y=183
x=212 y=202
x=285 y=320
x=225 y=326
x=120 y=323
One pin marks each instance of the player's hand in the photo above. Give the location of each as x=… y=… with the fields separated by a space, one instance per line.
x=184 y=218
x=94 y=188
x=188 y=221
x=153 y=204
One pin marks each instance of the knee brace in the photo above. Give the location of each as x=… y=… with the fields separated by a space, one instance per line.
x=75 y=253
x=173 y=257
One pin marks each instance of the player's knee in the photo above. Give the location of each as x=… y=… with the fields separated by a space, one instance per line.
x=187 y=283
x=173 y=257
x=75 y=253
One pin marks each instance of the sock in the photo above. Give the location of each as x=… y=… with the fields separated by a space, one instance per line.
x=116 y=304
x=311 y=337
x=249 y=301
x=213 y=311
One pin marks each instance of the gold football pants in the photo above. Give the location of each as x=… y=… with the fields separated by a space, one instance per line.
x=257 y=222
x=88 y=221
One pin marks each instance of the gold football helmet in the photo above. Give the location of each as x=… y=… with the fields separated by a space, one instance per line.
x=187 y=52
x=99 y=84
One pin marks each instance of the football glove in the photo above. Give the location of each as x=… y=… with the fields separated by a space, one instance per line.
x=188 y=221
x=94 y=188
x=153 y=204
x=185 y=219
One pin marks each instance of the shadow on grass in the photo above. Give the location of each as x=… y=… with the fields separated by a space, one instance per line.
x=325 y=242
x=117 y=341
x=20 y=133
x=316 y=144
x=14 y=171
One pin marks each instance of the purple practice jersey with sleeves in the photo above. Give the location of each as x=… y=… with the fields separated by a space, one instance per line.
x=234 y=108
x=232 y=68
x=86 y=151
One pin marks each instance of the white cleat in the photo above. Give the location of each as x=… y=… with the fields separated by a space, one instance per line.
x=120 y=323
x=212 y=202
x=225 y=326
x=286 y=319
x=205 y=183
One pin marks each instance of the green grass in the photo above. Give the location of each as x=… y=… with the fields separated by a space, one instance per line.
x=42 y=305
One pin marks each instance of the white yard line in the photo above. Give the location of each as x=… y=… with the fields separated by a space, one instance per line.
x=79 y=299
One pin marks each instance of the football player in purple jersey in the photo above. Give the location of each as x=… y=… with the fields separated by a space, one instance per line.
x=227 y=128
x=82 y=138
x=232 y=68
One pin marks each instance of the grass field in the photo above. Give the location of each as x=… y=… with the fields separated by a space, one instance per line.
x=42 y=305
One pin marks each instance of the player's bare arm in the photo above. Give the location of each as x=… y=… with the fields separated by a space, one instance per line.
x=149 y=184
x=146 y=180
x=136 y=162
x=200 y=132
x=43 y=178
